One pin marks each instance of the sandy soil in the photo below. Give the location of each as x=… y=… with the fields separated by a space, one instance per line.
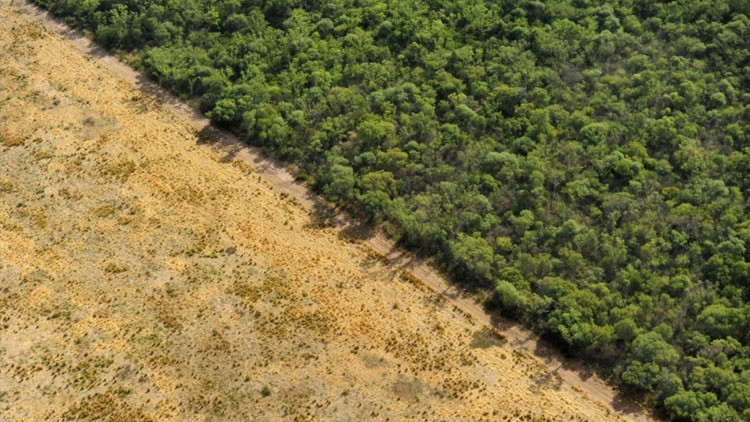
x=146 y=274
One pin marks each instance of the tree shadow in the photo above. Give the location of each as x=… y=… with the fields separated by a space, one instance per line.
x=548 y=380
x=322 y=215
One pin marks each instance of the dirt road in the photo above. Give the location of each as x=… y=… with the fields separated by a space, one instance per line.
x=232 y=150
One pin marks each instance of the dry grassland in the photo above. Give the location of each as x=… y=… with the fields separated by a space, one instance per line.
x=145 y=275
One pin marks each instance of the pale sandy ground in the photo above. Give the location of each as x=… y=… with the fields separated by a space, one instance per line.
x=146 y=275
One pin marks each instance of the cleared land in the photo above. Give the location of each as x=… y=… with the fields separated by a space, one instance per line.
x=148 y=275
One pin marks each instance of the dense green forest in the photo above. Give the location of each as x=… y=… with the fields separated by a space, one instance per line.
x=586 y=161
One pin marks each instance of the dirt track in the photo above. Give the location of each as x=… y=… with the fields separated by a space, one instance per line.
x=198 y=196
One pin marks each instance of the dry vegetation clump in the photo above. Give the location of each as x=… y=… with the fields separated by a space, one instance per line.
x=11 y=140
x=120 y=169
x=107 y=407
x=486 y=337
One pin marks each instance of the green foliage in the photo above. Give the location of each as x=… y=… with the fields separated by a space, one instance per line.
x=642 y=376
x=473 y=256
x=587 y=161
x=651 y=347
x=341 y=187
x=510 y=297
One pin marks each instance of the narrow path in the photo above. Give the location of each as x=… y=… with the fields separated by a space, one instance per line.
x=572 y=372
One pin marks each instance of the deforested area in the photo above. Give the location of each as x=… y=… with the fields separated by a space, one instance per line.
x=148 y=274
x=584 y=164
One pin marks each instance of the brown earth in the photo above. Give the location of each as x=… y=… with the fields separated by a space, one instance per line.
x=146 y=274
